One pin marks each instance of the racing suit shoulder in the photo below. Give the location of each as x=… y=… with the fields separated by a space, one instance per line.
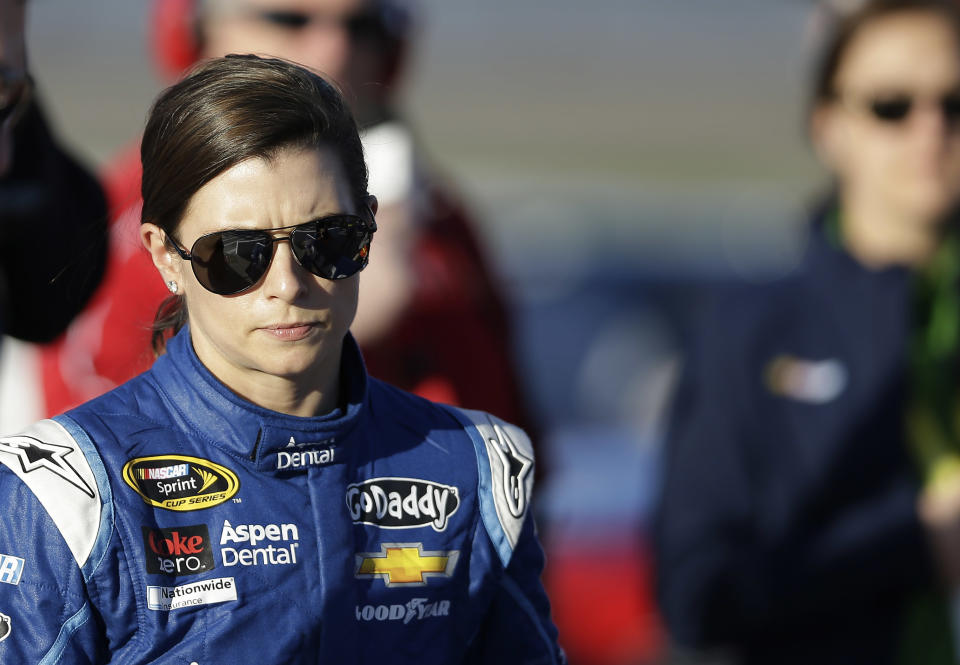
x=138 y=403
x=51 y=544
x=57 y=462
x=517 y=626
x=505 y=463
x=503 y=453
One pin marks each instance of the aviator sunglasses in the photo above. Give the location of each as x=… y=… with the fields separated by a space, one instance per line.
x=896 y=108
x=360 y=26
x=229 y=262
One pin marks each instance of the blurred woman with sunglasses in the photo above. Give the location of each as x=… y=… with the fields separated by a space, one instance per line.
x=811 y=508
x=256 y=496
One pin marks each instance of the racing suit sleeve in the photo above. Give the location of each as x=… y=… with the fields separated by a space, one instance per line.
x=518 y=628
x=748 y=545
x=46 y=615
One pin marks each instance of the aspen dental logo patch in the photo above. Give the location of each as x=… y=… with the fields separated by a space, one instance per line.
x=181 y=483
x=402 y=503
x=302 y=455
x=259 y=544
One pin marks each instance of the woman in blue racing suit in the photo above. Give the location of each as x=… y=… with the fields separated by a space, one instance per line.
x=256 y=496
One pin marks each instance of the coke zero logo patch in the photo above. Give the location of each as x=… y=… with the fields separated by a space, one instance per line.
x=180 y=550
x=402 y=503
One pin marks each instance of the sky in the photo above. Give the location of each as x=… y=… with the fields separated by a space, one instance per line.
x=674 y=124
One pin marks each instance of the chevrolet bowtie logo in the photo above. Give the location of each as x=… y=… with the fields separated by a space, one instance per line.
x=406 y=564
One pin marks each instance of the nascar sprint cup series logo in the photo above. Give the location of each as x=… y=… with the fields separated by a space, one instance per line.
x=178 y=482
x=402 y=503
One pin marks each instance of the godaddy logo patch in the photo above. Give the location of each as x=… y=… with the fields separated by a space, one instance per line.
x=402 y=503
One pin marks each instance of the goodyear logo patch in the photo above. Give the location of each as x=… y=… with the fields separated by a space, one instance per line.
x=179 y=482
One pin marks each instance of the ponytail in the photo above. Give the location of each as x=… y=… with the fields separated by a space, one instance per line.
x=170 y=317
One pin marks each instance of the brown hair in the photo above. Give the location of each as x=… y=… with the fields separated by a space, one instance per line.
x=228 y=110
x=844 y=26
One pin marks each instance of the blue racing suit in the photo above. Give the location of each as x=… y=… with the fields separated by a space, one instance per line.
x=170 y=521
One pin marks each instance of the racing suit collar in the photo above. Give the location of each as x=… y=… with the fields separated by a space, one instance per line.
x=269 y=440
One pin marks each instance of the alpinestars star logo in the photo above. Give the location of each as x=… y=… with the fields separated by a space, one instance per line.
x=34 y=454
x=516 y=466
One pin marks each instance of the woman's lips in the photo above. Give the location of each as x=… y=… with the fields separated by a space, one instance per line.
x=291 y=332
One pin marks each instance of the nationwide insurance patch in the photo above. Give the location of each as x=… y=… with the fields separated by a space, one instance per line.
x=206 y=592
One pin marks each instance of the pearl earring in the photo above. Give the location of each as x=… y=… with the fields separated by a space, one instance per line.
x=172 y=285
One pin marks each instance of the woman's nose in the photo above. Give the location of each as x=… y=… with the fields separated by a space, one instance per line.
x=285 y=278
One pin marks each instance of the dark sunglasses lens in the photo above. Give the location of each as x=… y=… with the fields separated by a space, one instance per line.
x=894 y=109
x=951 y=108
x=291 y=20
x=365 y=27
x=231 y=261
x=334 y=248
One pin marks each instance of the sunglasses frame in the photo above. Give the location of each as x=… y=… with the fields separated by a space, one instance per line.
x=368 y=227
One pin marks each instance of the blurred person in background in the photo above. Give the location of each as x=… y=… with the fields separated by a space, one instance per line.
x=811 y=506
x=432 y=319
x=52 y=213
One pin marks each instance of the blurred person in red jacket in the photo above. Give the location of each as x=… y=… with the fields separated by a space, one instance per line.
x=433 y=320
x=53 y=241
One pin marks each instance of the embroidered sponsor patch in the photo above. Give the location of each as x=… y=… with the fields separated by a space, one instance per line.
x=206 y=592
x=286 y=536
x=52 y=464
x=11 y=569
x=179 y=550
x=34 y=455
x=5 y=627
x=300 y=455
x=405 y=564
x=181 y=483
x=804 y=380
x=402 y=503
x=415 y=609
x=514 y=468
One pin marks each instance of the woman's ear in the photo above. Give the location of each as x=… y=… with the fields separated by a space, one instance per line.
x=167 y=263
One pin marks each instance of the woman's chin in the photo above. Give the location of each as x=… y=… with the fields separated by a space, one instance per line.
x=293 y=368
